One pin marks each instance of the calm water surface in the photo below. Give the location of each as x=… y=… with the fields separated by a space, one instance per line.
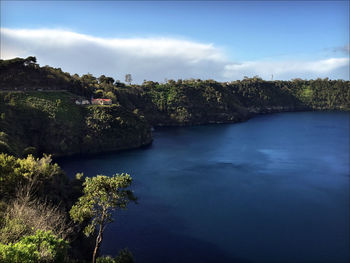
x=273 y=189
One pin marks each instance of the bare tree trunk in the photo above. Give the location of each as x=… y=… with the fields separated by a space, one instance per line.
x=98 y=240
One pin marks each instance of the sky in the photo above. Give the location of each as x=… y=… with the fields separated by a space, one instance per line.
x=158 y=40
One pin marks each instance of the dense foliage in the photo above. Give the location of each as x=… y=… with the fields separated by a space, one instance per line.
x=25 y=74
x=42 y=247
x=101 y=196
x=37 y=122
x=47 y=178
x=36 y=201
x=38 y=115
x=35 y=197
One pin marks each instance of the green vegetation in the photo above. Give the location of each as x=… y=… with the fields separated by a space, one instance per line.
x=37 y=208
x=44 y=121
x=48 y=121
x=40 y=247
x=109 y=128
x=24 y=75
x=35 y=196
x=101 y=196
x=42 y=218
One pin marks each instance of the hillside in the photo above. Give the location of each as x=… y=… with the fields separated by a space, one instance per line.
x=50 y=122
x=38 y=113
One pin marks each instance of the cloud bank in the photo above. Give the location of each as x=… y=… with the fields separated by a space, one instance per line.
x=152 y=58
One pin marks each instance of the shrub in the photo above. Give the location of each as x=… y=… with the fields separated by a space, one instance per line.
x=106 y=259
x=26 y=214
x=41 y=247
x=41 y=173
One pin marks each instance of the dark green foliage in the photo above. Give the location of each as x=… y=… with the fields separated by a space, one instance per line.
x=106 y=259
x=50 y=180
x=43 y=121
x=124 y=256
x=37 y=122
x=188 y=102
x=25 y=74
x=196 y=102
x=108 y=128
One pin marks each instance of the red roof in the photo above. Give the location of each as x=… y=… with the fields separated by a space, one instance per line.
x=102 y=99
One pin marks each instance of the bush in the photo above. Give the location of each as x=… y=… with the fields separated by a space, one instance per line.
x=41 y=247
x=106 y=259
x=26 y=214
x=47 y=177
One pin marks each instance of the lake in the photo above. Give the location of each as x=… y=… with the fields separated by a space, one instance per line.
x=272 y=189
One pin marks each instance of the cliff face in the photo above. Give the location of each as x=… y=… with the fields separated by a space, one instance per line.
x=50 y=122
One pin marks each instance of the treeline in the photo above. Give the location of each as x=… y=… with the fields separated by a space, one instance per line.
x=189 y=102
x=26 y=74
x=37 y=122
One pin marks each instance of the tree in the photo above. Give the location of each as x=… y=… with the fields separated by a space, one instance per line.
x=30 y=61
x=103 y=79
x=101 y=196
x=128 y=78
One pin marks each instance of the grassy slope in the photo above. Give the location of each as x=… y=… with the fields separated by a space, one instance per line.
x=51 y=122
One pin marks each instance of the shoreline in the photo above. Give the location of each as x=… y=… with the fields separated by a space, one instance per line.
x=155 y=128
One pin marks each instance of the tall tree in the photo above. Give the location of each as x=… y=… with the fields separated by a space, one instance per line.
x=101 y=196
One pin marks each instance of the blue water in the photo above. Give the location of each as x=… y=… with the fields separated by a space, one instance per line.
x=272 y=189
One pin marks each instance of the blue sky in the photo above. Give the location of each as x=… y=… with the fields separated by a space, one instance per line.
x=248 y=34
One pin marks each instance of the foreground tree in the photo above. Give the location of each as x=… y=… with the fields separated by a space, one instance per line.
x=101 y=196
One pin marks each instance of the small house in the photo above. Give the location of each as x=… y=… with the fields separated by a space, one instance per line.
x=82 y=102
x=101 y=101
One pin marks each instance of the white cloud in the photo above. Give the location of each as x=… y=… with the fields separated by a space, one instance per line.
x=152 y=58
x=288 y=69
